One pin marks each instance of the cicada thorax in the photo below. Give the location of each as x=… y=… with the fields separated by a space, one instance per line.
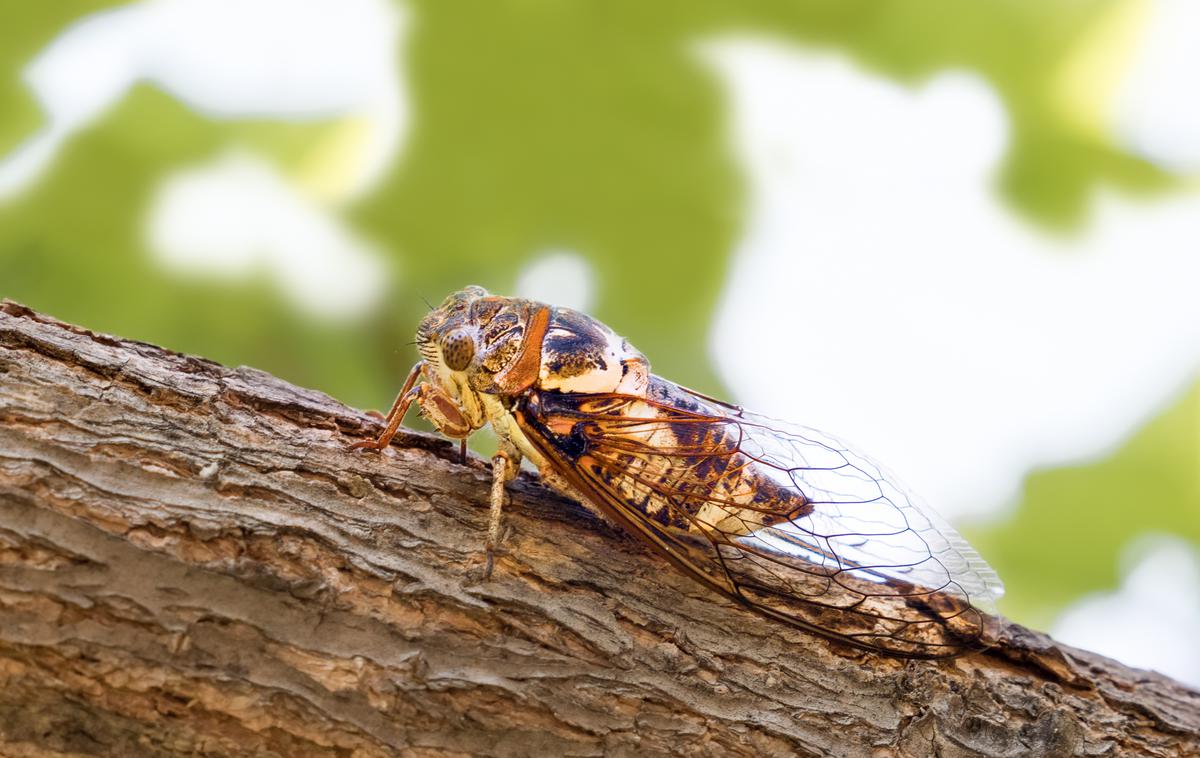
x=582 y=356
x=646 y=447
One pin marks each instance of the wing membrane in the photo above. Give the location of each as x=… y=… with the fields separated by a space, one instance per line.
x=782 y=518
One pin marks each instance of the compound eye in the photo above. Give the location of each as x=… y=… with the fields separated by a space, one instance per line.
x=458 y=348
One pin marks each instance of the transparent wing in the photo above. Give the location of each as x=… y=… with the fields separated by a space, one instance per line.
x=862 y=522
x=783 y=518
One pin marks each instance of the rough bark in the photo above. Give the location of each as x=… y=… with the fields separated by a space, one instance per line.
x=192 y=563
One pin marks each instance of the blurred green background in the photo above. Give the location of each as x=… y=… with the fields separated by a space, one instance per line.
x=589 y=127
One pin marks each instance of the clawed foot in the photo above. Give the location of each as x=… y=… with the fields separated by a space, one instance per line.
x=371 y=444
x=481 y=573
x=489 y=554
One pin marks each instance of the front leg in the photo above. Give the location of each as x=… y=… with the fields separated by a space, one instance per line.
x=505 y=465
x=438 y=407
x=407 y=394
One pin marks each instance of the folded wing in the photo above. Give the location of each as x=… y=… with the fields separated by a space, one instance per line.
x=782 y=518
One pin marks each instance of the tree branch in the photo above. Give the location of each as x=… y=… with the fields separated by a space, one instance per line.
x=192 y=562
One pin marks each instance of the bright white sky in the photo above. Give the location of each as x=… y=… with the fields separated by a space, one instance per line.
x=884 y=292
x=238 y=216
x=1153 y=620
x=1156 y=113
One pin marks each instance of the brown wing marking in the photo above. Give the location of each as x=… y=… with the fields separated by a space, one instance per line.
x=685 y=479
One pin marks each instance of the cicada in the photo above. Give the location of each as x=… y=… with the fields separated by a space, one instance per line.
x=781 y=518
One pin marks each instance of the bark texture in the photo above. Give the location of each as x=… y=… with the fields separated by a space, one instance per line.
x=192 y=563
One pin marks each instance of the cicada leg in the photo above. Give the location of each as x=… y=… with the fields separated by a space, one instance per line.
x=396 y=415
x=505 y=465
x=435 y=404
x=441 y=410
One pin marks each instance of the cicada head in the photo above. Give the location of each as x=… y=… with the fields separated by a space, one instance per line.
x=487 y=343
